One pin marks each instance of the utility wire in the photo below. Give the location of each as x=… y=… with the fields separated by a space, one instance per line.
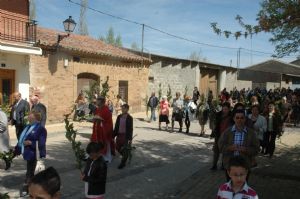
x=104 y=13
x=170 y=34
x=189 y=40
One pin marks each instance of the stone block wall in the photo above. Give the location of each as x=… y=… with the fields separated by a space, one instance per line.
x=176 y=76
x=231 y=80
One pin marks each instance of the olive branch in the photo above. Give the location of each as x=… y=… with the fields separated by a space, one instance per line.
x=4 y=196
x=7 y=156
x=71 y=134
x=127 y=150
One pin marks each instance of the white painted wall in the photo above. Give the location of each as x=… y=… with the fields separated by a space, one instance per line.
x=19 y=63
x=222 y=80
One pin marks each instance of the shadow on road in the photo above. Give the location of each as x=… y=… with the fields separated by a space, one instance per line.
x=274 y=178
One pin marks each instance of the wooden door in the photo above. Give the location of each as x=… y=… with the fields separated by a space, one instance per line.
x=208 y=81
x=7 y=85
x=123 y=90
x=204 y=82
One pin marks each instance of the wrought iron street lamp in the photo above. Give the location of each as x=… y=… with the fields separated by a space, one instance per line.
x=69 y=26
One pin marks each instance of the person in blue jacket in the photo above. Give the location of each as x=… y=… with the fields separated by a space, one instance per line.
x=32 y=140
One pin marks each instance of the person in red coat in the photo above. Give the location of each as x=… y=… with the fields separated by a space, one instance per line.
x=103 y=129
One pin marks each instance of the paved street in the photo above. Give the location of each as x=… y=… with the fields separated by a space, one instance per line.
x=164 y=165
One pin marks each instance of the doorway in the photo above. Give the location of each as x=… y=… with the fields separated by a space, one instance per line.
x=209 y=81
x=7 y=85
x=123 y=90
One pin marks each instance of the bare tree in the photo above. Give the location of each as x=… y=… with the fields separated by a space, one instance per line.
x=83 y=28
x=197 y=56
x=135 y=47
x=32 y=8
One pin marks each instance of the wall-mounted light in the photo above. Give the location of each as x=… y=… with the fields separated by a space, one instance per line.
x=69 y=26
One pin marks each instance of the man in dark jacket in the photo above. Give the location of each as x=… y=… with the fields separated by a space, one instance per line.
x=239 y=140
x=123 y=131
x=222 y=123
x=18 y=112
x=37 y=106
x=152 y=103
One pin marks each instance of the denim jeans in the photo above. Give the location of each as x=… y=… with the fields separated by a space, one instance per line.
x=153 y=117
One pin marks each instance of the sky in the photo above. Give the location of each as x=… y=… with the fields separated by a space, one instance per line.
x=185 y=18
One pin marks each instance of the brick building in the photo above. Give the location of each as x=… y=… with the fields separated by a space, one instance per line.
x=32 y=60
x=67 y=68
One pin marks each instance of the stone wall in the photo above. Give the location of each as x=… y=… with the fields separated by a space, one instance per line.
x=58 y=81
x=231 y=80
x=176 y=76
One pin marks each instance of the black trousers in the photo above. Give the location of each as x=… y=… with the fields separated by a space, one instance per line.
x=19 y=129
x=216 y=152
x=187 y=121
x=177 y=117
x=31 y=164
x=270 y=142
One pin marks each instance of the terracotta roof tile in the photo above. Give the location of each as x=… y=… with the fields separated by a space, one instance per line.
x=85 y=44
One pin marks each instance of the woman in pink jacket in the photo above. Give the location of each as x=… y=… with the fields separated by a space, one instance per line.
x=164 y=112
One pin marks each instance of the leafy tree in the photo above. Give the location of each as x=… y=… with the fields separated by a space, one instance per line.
x=105 y=88
x=281 y=18
x=32 y=8
x=118 y=41
x=94 y=88
x=111 y=39
x=83 y=28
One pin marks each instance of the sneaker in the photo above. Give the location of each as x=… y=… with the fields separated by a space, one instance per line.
x=213 y=168
x=24 y=191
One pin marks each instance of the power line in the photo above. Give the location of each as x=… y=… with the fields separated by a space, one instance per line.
x=104 y=13
x=170 y=34
x=150 y=27
x=189 y=40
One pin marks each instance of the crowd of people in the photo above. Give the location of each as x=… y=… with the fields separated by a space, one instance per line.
x=243 y=123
